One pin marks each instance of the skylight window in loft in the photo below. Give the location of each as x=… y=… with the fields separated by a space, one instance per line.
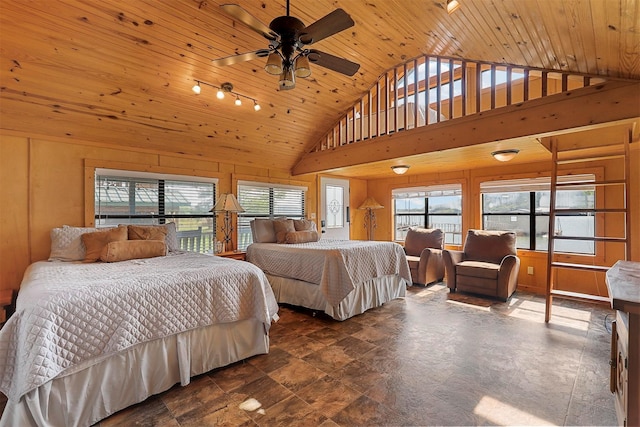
x=501 y=77
x=433 y=71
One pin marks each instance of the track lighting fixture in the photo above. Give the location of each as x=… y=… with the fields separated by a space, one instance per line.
x=223 y=89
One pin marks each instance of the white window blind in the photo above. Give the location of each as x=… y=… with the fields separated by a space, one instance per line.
x=263 y=200
x=141 y=198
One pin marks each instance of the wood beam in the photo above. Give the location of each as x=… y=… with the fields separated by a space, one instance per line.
x=593 y=105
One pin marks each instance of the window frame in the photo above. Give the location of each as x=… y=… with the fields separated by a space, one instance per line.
x=244 y=236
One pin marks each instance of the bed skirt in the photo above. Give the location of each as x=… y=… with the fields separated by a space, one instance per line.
x=370 y=294
x=94 y=392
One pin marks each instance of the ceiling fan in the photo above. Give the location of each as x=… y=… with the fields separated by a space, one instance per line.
x=287 y=54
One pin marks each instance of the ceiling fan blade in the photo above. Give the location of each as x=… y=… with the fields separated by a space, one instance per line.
x=249 y=20
x=329 y=25
x=332 y=62
x=234 y=59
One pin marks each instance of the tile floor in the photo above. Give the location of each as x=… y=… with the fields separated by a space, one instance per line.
x=433 y=358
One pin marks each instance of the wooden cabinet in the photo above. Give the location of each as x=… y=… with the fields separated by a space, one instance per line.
x=623 y=282
x=241 y=256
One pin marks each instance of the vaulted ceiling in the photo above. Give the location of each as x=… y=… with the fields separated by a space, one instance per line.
x=120 y=72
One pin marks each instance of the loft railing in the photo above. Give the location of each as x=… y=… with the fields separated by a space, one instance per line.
x=432 y=89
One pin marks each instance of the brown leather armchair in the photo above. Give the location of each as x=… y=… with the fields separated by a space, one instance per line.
x=487 y=265
x=423 y=247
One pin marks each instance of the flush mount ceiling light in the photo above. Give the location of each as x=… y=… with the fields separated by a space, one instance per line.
x=452 y=6
x=223 y=89
x=400 y=169
x=504 y=155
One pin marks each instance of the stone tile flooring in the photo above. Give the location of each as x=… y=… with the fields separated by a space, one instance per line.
x=432 y=358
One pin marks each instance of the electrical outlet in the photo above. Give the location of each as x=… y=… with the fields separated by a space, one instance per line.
x=529 y=270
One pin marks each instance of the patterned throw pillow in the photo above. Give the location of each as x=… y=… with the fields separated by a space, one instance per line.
x=66 y=244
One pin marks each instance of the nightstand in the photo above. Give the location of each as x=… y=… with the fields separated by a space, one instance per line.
x=7 y=298
x=241 y=256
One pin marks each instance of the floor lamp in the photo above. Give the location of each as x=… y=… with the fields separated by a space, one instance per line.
x=228 y=204
x=370 y=204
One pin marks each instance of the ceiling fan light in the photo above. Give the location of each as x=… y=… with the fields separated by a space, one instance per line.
x=303 y=70
x=452 y=6
x=505 y=155
x=274 y=64
x=400 y=169
x=287 y=79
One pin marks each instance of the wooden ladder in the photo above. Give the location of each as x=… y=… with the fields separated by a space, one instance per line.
x=619 y=152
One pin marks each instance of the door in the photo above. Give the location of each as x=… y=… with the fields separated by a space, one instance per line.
x=334 y=208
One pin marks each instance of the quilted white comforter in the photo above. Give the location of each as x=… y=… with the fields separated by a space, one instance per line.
x=72 y=315
x=338 y=266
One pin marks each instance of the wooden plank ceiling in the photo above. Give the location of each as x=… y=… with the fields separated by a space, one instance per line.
x=120 y=72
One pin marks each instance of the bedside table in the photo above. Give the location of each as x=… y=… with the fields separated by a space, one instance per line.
x=7 y=299
x=241 y=256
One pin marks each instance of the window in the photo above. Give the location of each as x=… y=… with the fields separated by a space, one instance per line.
x=125 y=197
x=429 y=207
x=522 y=205
x=260 y=200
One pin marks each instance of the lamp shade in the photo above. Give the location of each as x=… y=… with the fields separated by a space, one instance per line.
x=227 y=202
x=452 y=6
x=287 y=79
x=274 y=64
x=302 y=69
x=370 y=203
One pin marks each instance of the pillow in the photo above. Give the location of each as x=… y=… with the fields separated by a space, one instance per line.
x=172 y=237
x=66 y=244
x=96 y=241
x=262 y=231
x=146 y=232
x=301 y=236
x=282 y=227
x=304 y=225
x=124 y=250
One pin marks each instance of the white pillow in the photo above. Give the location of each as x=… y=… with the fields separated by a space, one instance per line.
x=66 y=244
x=172 y=237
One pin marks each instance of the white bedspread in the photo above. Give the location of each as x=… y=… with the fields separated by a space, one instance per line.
x=72 y=315
x=338 y=266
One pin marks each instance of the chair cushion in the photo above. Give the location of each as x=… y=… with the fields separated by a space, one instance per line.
x=480 y=269
x=419 y=238
x=489 y=246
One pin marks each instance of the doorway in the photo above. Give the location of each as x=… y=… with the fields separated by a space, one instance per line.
x=334 y=208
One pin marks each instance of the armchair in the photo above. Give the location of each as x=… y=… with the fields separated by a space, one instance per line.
x=487 y=265
x=423 y=247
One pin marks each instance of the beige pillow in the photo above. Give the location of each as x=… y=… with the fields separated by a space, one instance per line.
x=301 y=236
x=147 y=232
x=124 y=250
x=282 y=227
x=262 y=231
x=304 y=225
x=96 y=241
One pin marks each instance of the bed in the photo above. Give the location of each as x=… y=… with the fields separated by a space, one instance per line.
x=89 y=339
x=342 y=278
